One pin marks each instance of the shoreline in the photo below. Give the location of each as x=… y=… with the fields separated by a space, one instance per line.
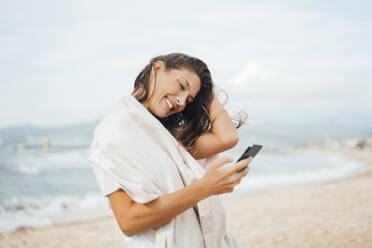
x=260 y=219
x=334 y=213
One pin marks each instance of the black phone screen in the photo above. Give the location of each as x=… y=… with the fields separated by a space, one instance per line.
x=251 y=151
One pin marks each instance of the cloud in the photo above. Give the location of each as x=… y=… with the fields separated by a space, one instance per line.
x=71 y=64
x=253 y=71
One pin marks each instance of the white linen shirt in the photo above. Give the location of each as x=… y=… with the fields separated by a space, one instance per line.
x=114 y=157
x=147 y=239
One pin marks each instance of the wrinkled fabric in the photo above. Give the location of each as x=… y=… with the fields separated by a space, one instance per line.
x=131 y=150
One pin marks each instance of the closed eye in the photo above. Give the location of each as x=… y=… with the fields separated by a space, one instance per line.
x=183 y=88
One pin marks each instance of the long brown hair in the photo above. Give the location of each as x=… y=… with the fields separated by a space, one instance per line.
x=187 y=125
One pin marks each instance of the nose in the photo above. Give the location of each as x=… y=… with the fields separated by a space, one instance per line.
x=181 y=100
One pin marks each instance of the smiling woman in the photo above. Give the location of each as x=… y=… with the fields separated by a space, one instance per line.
x=171 y=90
x=160 y=192
x=178 y=90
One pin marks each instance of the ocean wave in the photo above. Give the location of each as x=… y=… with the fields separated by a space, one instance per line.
x=33 y=201
x=16 y=212
x=36 y=162
x=334 y=167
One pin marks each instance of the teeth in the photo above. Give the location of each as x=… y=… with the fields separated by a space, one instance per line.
x=168 y=102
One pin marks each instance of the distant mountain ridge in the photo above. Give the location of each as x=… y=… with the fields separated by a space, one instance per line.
x=39 y=130
x=82 y=133
x=24 y=133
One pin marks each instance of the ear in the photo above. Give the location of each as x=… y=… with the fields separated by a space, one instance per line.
x=159 y=65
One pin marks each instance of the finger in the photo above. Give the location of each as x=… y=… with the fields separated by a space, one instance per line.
x=244 y=172
x=222 y=161
x=240 y=165
x=237 y=181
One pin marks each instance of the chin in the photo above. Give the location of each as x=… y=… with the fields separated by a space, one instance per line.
x=166 y=115
x=160 y=115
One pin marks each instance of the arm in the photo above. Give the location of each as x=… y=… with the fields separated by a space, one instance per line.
x=221 y=137
x=134 y=217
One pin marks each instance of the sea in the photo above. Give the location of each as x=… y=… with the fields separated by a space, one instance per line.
x=40 y=186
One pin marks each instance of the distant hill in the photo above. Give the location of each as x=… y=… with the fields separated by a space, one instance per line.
x=32 y=135
x=81 y=134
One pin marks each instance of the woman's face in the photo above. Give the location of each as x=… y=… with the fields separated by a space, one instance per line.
x=173 y=90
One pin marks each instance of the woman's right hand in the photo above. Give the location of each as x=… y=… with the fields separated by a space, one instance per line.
x=219 y=180
x=134 y=218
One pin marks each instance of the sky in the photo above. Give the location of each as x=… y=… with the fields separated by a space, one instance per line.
x=283 y=62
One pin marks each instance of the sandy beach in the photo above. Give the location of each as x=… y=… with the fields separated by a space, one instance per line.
x=335 y=213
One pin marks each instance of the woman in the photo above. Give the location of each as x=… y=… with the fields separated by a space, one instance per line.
x=178 y=91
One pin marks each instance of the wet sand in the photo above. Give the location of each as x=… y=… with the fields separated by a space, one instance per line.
x=335 y=213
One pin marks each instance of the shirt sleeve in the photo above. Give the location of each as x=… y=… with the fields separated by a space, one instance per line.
x=106 y=183
x=112 y=175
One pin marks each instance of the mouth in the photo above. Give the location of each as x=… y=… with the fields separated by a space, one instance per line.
x=168 y=104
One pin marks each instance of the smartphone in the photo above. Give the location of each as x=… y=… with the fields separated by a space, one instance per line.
x=251 y=151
